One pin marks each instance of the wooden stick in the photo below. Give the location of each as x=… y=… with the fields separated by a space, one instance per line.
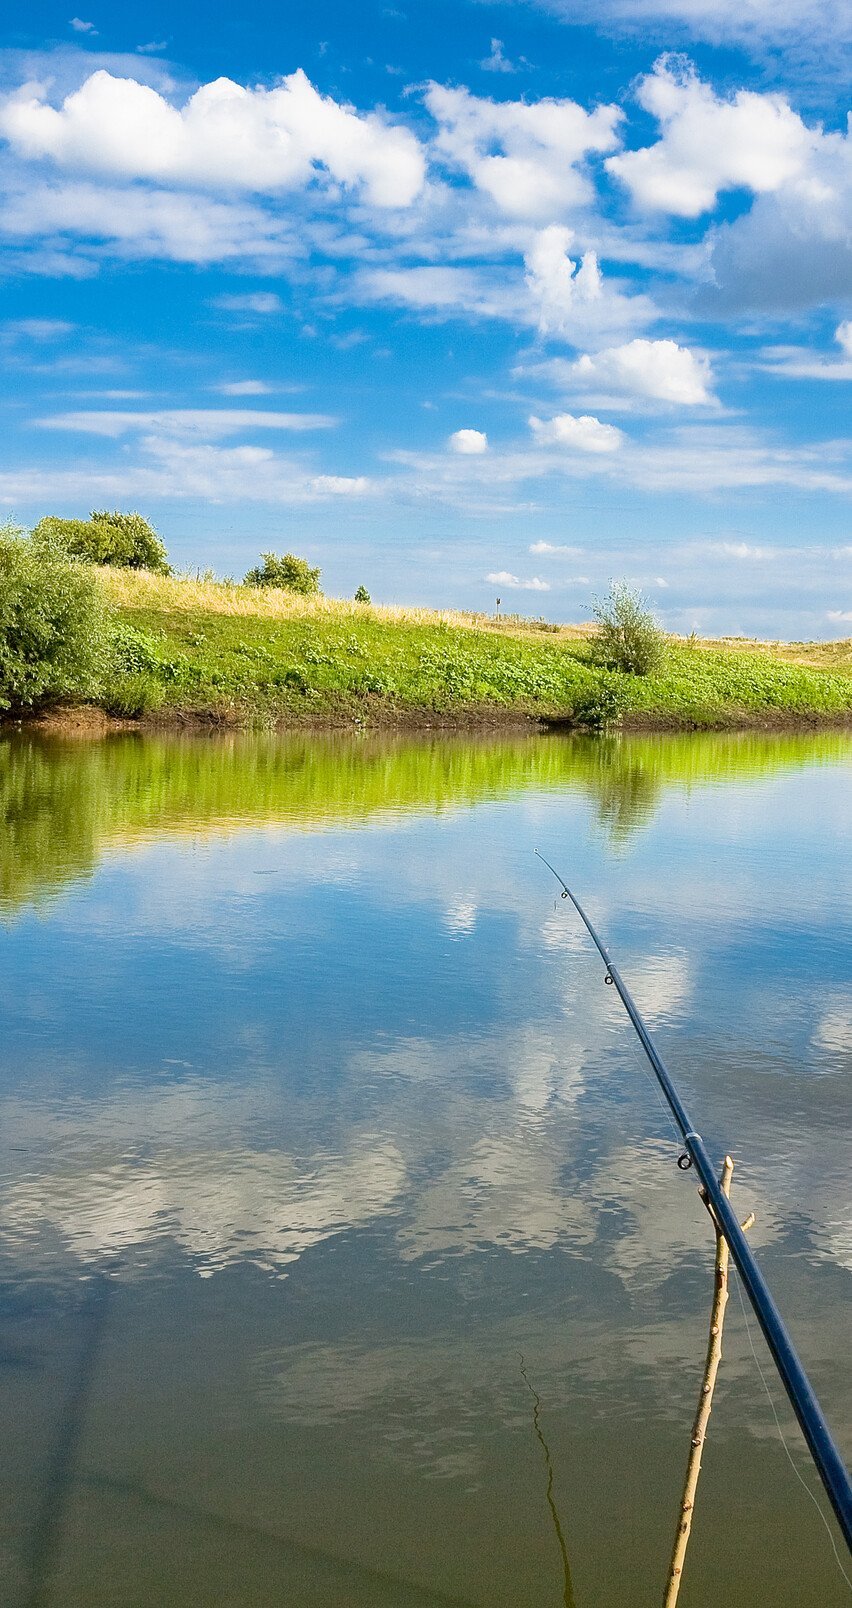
x=705 y=1402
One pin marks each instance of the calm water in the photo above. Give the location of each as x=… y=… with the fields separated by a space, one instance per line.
x=338 y=1214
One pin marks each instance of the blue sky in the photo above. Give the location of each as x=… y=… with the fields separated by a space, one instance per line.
x=457 y=300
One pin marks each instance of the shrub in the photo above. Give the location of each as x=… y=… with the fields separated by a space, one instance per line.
x=362 y=595
x=290 y=573
x=125 y=540
x=629 y=638
x=132 y=694
x=600 y=707
x=53 y=624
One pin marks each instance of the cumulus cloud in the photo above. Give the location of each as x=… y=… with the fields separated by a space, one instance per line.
x=558 y=548
x=662 y=370
x=583 y=434
x=210 y=424
x=709 y=143
x=468 y=442
x=569 y=298
x=527 y=157
x=225 y=136
x=516 y=584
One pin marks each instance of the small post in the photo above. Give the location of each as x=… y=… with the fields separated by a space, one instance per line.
x=705 y=1399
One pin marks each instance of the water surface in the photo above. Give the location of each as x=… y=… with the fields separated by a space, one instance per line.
x=344 y=1256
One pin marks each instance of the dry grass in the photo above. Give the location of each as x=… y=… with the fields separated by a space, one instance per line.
x=835 y=655
x=178 y=594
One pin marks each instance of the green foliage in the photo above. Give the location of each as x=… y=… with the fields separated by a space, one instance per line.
x=259 y=669
x=53 y=624
x=600 y=706
x=362 y=595
x=131 y=695
x=286 y=571
x=126 y=540
x=629 y=638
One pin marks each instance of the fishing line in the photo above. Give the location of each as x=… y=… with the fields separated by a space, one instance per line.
x=791 y=1460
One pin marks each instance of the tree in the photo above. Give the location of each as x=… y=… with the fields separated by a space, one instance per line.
x=362 y=595
x=286 y=571
x=125 y=540
x=53 y=624
x=628 y=637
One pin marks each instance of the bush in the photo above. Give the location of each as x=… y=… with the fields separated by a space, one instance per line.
x=132 y=695
x=53 y=624
x=629 y=638
x=125 y=540
x=362 y=595
x=290 y=573
x=600 y=707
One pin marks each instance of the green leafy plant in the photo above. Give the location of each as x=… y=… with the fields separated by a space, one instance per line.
x=628 y=637
x=132 y=695
x=597 y=708
x=362 y=595
x=125 y=540
x=285 y=571
x=53 y=624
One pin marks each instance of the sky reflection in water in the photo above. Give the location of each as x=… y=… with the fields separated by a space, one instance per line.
x=317 y=1117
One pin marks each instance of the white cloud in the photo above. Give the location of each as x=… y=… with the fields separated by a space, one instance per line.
x=209 y=424
x=225 y=135
x=514 y=583
x=743 y=550
x=171 y=468
x=446 y=291
x=583 y=434
x=800 y=363
x=152 y=48
x=244 y=388
x=843 y=336
x=264 y=302
x=840 y=616
x=468 y=442
x=82 y=27
x=662 y=370
x=144 y=223
x=709 y=144
x=803 y=26
x=569 y=298
x=550 y=547
x=525 y=157
x=37 y=329
x=497 y=62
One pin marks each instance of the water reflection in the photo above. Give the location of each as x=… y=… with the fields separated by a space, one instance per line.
x=309 y=1065
x=64 y=804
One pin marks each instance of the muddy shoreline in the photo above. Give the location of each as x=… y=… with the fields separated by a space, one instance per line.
x=89 y=722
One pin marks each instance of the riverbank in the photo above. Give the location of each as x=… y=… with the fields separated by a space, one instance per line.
x=200 y=653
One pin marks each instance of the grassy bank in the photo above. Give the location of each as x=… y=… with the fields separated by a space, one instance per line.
x=236 y=655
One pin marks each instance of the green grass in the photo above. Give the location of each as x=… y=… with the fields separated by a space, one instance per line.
x=241 y=656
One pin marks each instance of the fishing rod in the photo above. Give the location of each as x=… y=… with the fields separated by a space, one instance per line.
x=830 y=1465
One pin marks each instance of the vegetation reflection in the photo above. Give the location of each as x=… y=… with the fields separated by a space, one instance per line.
x=63 y=803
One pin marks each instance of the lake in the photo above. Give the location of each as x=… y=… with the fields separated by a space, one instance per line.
x=345 y=1259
